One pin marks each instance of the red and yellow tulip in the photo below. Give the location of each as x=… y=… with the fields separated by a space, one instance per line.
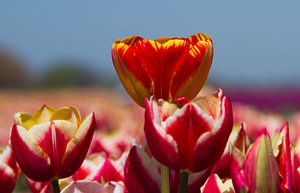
x=51 y=143
x=167 y=68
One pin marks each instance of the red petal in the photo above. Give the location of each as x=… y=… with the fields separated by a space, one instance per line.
x=210 y=146
x=185 y=126
x=296 y=173
x=141 y=172
x=196 y=180
x=108 y=172
x=30 y=161
x=284 y=160
x=77 y=148
x=211 y=186
x=162 y=146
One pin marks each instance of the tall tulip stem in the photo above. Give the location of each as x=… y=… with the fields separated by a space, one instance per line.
x=183 y=185
x=164 y=175
x=55 y=186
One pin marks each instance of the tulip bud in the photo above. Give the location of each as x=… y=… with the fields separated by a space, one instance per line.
x=166 y=68
x=259 y=172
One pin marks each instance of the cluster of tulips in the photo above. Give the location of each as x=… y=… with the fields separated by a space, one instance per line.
x=191 y=144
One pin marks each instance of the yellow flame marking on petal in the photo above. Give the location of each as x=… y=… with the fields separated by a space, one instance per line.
x=154 y=44
x=175 y=42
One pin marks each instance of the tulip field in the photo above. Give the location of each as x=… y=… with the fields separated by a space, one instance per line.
x=165 y=132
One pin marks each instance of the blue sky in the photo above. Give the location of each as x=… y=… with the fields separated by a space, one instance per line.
x=255 y=41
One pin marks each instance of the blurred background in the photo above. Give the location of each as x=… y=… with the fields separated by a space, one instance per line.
x=66 y=44
x=59 y=53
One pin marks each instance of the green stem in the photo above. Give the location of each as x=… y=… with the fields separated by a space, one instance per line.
x=55 y=186
x=183 y=184
x=164 y=177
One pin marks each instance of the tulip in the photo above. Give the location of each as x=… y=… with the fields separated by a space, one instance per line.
x=167 y=68
x=191 y=138
x=51 y=143
x=259 y=171
x=9 y=171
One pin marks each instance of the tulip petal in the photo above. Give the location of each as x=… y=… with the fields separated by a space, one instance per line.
x=164 y=145
x=65 y=113
x=43 y=114
x=185 y=126
x=261 y=171
x=8 y=158
x=141 y=172
x=284 y=159
x=161 y=61
x=108 y=172
x=32 y=160
x=199 y=60
x=53 y=139
x=7 y=178
x=196 y=180
x=77 y=148
x=217 y=138
x=296 y=172
x=132 y=75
